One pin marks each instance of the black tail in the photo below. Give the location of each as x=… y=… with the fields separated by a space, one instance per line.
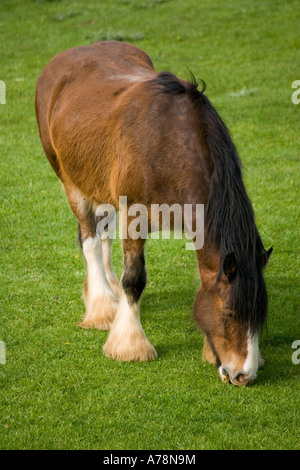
x=79 y=238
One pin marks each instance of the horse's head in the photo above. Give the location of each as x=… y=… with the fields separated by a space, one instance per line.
x=230 y=308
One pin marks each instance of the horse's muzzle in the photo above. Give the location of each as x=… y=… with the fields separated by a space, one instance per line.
x=237 y=378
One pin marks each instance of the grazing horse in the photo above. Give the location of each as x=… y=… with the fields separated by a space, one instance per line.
x=111 y=126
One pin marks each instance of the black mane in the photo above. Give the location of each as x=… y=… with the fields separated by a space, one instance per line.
x=229 y=218
x=168 y=83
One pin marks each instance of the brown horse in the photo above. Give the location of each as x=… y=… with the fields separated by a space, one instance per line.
x=111 y=126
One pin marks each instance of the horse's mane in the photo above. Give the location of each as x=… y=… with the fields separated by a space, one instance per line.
x=229 y=218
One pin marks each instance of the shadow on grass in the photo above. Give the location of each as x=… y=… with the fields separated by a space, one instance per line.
x=169 y=299
x=278 y=368
x=182 y=349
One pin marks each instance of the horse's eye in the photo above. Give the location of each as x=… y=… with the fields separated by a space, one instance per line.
x=229 y=314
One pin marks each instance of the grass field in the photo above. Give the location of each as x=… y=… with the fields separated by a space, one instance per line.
x=57 y=390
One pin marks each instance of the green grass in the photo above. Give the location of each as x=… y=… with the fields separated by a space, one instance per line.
x=57 y=390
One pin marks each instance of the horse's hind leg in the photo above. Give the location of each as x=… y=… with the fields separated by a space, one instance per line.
x=107 y=264
x=101 y=303
x=127 y=340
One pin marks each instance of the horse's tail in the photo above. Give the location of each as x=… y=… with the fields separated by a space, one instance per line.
x=79 y=236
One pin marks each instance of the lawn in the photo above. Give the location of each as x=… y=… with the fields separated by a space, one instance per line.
x=57 y=389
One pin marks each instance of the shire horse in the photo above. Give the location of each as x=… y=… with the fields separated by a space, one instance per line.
x=112 y=126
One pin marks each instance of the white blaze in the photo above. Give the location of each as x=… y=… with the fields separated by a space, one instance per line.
x=251 y=363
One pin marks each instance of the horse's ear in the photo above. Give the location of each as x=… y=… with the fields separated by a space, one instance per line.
x=266 y=256
x=230 y=266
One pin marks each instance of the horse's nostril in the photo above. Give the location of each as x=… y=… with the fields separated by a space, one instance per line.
x=241 y=379
x=224 y=374
x=238 y=378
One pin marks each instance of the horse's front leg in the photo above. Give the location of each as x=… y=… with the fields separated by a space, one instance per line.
x=207 y=353
x=127 y=340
